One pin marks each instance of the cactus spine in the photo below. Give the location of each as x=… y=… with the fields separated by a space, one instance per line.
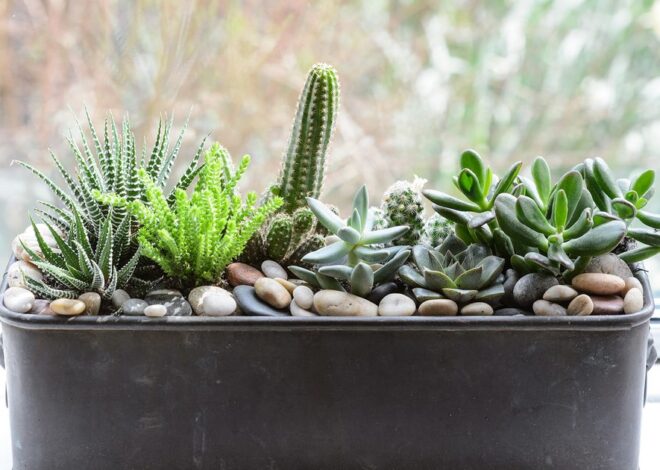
x=403 y=205
x=293 y=231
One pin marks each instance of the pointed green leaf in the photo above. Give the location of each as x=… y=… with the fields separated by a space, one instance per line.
x=328 y=219
x=445 y=200
x=505 y=184
x=385 y=235
x=390 y=268
x=328 y=254
x=361 y=204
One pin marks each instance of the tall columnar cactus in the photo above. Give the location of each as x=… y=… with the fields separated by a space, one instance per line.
x=294 y=231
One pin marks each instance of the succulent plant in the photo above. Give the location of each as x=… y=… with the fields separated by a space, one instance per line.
x=403 y=205
x=553 y=228
x=349 y=261
x=626 y=200
x=474 y=219
x=293 y=231
x=194 y=240
x=455 y=271
x=436 y=230
x=110 y=165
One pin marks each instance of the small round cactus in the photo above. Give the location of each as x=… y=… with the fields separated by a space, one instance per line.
x=403 y=205
x=436 y=229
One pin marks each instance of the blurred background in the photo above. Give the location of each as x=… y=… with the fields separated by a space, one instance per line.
x=420 y=81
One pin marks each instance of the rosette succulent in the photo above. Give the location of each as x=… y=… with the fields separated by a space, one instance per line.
x=455 y=271
x=356 y=261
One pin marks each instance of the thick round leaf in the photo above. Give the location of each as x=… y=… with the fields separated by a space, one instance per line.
x=645 y=235
x=411 y=276
x=505 y=184
x=597 y=241
x=361 y=204
x=623 y=208
x=362 y=280
x=649 y=218
x=385 y=235
x=560 y=210
x=328 y=219
x=530 y=214
x=390 y=268
x=509 y=223
x=328 y=254
x=605 y=179
x=445 y=200
x=349 y=235
x=339 y=271
x=580 y=227
x=542 y=179
x=481 y=219
x=471 y=160
x=370 y=255
x=572 y=184
x=640 y=254
x=470 y=186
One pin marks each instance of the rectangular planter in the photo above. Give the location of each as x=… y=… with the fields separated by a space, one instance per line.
x=298 y=393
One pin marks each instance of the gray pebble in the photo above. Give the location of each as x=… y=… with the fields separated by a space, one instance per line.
x=544 y=308
x=273 y=270
x=134 y=307
x=531 y=288
x=119 y=296
x=304 y=297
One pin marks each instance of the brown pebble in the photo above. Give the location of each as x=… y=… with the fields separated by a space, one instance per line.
x=598 y=283
x=68 y=307
x=607 y=304
x=443 y=307
x=239 y=274
x=630 y=283
x=288 y=285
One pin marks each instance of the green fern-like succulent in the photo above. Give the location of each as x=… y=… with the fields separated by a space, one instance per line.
x=198 y=236
x=104 y=165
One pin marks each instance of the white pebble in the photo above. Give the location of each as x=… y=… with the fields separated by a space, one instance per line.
x=396 y=305
x=18 y=299
x=304 y=297
x=298 y=311
x=156 y=310
x=19 y=270
x=218 y=305
x=273 y=270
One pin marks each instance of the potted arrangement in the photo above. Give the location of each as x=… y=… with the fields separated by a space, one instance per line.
x=193 y=327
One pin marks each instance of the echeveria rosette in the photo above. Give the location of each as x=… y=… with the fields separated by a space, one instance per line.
x=455 y=271
x=356 y=259
x=553 y=228
x=625 y=199
x=474 y=218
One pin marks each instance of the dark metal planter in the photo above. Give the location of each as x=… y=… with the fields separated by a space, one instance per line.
x=326 y=393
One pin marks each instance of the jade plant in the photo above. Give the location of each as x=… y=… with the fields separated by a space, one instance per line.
x=455 y=271
x=195 y=239
x=356 y=261
x=474 y=218
x=101 y=237
x=294 y=231
x=625 y=199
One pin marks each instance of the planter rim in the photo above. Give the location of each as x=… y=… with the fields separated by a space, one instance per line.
x=531 y=322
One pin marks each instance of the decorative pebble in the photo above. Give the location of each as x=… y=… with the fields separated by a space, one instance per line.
x=173 y=300
x=304 y=297
x=632 y=282
x=17 y=272
x=252 y=305
x=298 y=311
x=198 y=294
x=29 y=239
x=598 y=283
x=41 y=307
x=510 y=312
x=607 y=305
x=272 y=292
x=92 y=302
x=18 y=299
x=438 y=307
x=288 y=285
x=218 y=305
x=581 y=305
x=134 y=307
x=560 y=294
x=241 y=274
x=633 y=301
x=396 y=305
x=511 y=277
x=155 y=310
x=531 y=288
x=163 y=293
x=608 y=264
x=337 y=303
x=68 y=307
x=379 y=292
x=477 y=309
x=273 y=270
x=543 y=308
x=119 y=296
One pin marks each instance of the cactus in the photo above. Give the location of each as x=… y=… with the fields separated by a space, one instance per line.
x=403 y=205
x=472 y=274
x=293 y=231
x=436 y=230
x=346 y=262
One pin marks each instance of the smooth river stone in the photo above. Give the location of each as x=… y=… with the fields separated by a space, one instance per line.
x=598 y=283
x=581 y=305
x=19 y=270
x=68 y=307
x=438 y=307
x=155 y=310
x=608 y=264
x=543 y=308
x=18 y=299
x=304 y=297
x=198 y=294
x=477 y=309
x=337 y=303
x=630 y=283
x=633 y=301
x=560 y=294
x=218 y=305
x=252 y=305
x=607 y=305
x=241 y=274
x=510 y=312
x=41 y=307
x=379 y=292
x=92 y=301
x=288 y=285
x=134 y=307
x=119 y=296
x=272 y=292
x=396 y=305
x=298 y=311
x=273 y=270
x=511 y=277
x=531 y=288
x=172 y=300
